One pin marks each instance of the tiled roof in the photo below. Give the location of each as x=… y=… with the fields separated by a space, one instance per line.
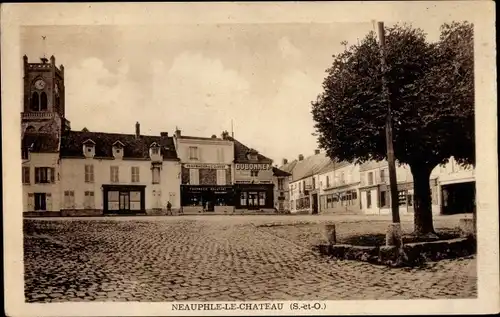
x=280 y=173
x=289 y=166
x=369 y=165
x=40 y=142
x=309 y=166
x=241 y=150
x=71 y=144
x=333 y=165
x=187 y=137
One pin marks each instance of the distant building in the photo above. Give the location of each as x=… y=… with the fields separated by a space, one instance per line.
x=281 y=181
x=253 y=179
x=207 y=176
x=339 y=188
x=457 y=188
x=304 y=186
x=375 y=189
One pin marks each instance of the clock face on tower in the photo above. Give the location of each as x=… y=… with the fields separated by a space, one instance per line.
x=39 y=84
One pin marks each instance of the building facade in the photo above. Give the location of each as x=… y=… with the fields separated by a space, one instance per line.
x=253 y=179
x=339 y=188
x=304 y=186
x=207 y=173
x=68 y=172
x=375 y=189
x=457 y=188
x=281 y=181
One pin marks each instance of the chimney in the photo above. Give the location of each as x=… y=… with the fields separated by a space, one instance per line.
x=53 y=60
x=164 y=134
x=225 y=134
x=316 y=152
x=301 y=157
x=177 y=132
x=137 y=130
x=285 y=161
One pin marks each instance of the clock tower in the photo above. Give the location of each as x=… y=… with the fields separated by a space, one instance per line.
x=44 y=104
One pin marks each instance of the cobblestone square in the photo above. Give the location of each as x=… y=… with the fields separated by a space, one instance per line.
x=201 y=258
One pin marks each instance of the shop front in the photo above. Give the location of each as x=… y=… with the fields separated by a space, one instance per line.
x=254 y=196
x=211 y=198
x=124 y=199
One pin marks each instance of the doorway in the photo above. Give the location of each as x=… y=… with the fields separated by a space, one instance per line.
x=253 y=200
x=40 y=201
x=124 y=201
x=315 y=204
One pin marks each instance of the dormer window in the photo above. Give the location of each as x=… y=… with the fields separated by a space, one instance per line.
x=252 y=155
x=118 y=149
x=89 y=148
x=154 y=151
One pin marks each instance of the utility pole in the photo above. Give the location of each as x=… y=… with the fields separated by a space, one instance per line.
x=396 y=227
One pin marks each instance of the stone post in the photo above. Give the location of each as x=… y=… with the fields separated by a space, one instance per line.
x=467 y=227
x=330 y=233
x=394 y=236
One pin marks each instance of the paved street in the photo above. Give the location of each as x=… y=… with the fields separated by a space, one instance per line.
x=211 y=258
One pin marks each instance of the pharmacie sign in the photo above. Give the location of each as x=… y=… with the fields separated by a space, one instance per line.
x=206 y=166
x=244 y=167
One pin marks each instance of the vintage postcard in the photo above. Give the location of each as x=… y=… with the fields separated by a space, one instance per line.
x=305 y=158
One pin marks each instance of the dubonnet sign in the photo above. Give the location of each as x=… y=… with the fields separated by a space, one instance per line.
x=252 y=166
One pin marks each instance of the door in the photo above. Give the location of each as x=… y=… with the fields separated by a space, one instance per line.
x=124 y=201
x=40 y=201
x=253 y=200
x=315 y=204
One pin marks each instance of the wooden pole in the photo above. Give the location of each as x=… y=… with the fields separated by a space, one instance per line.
x=388 y=130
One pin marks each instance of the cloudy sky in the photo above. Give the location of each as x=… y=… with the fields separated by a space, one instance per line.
x=198 y=77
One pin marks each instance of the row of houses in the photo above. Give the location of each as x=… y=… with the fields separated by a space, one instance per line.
x=67 y=172
x=320 y=185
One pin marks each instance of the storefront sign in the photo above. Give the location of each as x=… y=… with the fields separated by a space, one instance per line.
x=207 y=188
x=252 y=182
x=252 y=166
x=206 y=166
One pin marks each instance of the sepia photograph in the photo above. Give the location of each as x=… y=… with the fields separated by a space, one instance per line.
x=251 y=166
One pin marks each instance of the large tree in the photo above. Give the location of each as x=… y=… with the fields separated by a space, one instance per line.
x=431 y=90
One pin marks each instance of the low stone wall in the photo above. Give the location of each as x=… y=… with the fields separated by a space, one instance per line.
x=81 y=213
x=411 y=254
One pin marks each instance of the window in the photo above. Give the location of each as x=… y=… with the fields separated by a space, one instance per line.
x=354 y=195
x=40 y=201
x=314 y=183
x=402 y=197
x=88 y=203
x=243 y=198
x=342 y=178
x=262 y=198
x=281 y=182
x=156 y=175
x=194 y=176
x=114 y=177
x=254 y=173
x=35 y=101
x=193 y=153
x=368 y=199
x=327 y=181
x=43 y=102
x=135 y=174
x=370 y=178
x=89 y=173
x=220 y=155
x=382 y=176
x=44 y=175
x=26 y=174
x=69 y=199
x=383 y=199
x=221 y=177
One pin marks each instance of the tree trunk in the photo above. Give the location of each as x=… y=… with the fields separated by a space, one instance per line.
x=422 y=200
